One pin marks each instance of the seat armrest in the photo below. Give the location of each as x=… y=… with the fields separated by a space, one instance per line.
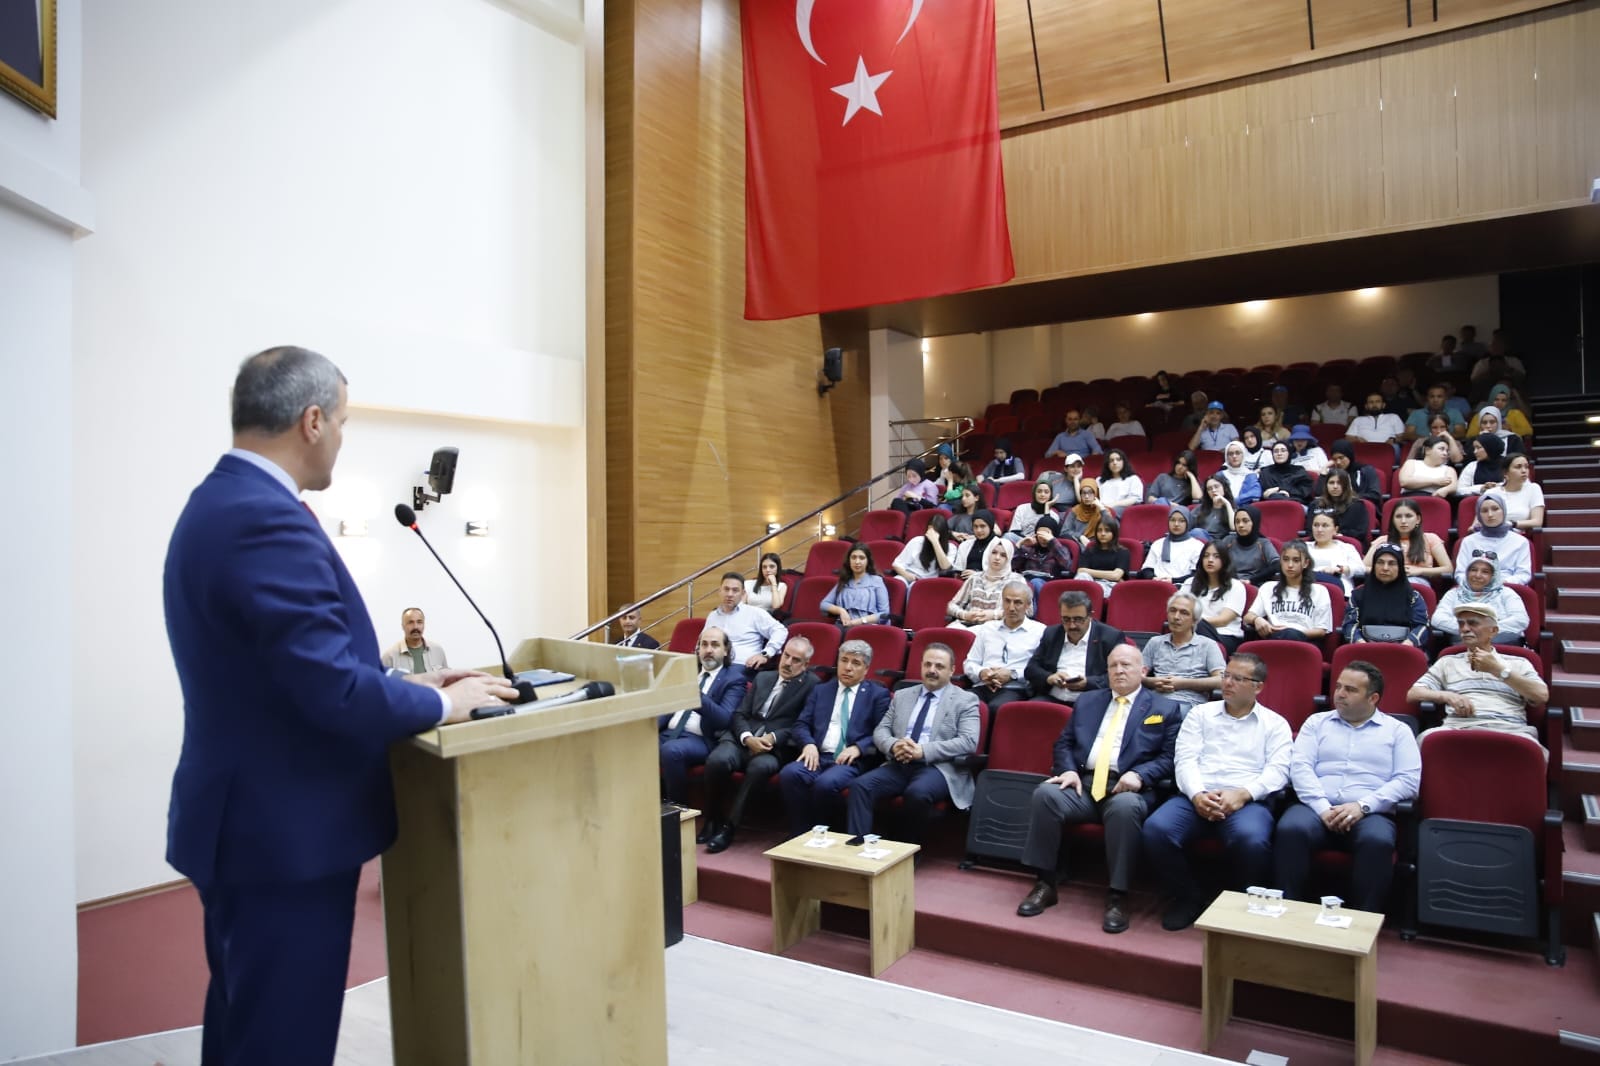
x=972 y=763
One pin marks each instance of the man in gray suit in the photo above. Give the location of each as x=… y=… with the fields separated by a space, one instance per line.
x=924 y=731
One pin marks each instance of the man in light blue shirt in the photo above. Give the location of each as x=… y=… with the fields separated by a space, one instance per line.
x=1074 y=438
x=754 y=636
x=1350 y=767
x=1213 y=434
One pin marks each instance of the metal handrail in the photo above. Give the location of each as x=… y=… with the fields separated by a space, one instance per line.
x=810 y=516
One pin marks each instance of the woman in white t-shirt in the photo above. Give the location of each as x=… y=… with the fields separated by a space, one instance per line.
x=1221 y=595
x=769 y=591
x=1120 y=486
x=1332 y=556
x=1524 y=499
x=1294 y=607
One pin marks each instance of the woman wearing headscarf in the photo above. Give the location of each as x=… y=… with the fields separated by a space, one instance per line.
x=1173 y=557
x=1492 y=420
x=1084 y=517
x=1494 y=539
x=1005 y=466
x=1243 y=483
x=1387 y=608
x=1364 y=477
x=1254 y=558
x=1255 y=452
x=1512 y=419
x=1044 y=555
x=1024 y=518
x=1487 y=469
x=919 y=490
x=1281 y=479
x=979 y=599
x=969 y=557
x=1482 y=585
x=1306 y=453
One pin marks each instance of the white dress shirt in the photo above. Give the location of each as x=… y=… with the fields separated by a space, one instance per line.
x=1217 y=751
x=997 y=645
x=1105 y=725
x=838 y=725
x=1376 y=429
x=1073 y=661
x=693 y=726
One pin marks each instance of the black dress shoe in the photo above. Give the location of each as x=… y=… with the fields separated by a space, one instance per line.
x=855 y=842
x=720 y=840
x=708 y=829
x=1181 y=914
x=1043 y=895
x=1116 y=920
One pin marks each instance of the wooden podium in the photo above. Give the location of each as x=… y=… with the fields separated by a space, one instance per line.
x=522 y=901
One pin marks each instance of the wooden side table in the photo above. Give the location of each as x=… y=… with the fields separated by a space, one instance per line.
x=1291 y=951
x=686 y=847
x=803 y=878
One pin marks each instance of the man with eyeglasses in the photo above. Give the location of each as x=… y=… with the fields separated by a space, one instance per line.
x=1071 y=657
x=1477 y=688
x=1232 y=755
x=1117 y=746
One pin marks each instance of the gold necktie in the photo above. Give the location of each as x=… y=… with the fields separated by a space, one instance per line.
x=1102 y=755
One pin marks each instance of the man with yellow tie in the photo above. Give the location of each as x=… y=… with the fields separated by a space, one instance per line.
x=1107 y=762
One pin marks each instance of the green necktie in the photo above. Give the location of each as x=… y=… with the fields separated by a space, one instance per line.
x=844 y=721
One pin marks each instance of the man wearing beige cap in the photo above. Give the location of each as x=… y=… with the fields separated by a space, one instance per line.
x=1478 y=688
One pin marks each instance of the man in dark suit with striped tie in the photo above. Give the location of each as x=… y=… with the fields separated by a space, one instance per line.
x=834 y=735
x=1117 y=746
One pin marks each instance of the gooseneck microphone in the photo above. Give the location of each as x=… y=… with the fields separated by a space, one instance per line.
x=593 y=690
x=525 y=690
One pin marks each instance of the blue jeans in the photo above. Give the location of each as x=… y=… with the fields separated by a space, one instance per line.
x=1246 y=836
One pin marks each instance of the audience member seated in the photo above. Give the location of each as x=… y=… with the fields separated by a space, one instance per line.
x=1438 y=426
x=1071 y=658
x=1407 y=396
x=1495 y=539
x=1232 y=755
x=964 y=512
x=1386 y=609
x=1106 y=560
x=1282 y=478
x=1064 y=482
x=1255 y=448
x=1092 y=423
x=1183 y=665
x=1174 y=557
x=1255 y=559
x=1269 y=425
x=1471 y=347
x=1294 y=606
x=1447 y=360
x=1430 y=475
x=1306 y=453
x=1085 y=516
x=1513 y=422
x=1288 y=413
x=1125 y=425
x=1120 y=485
x=1005 y=466
x=1524 y=500
x=924 y=730
x=943 y=471
x=1486 y=470
x=1368 y=483
x=997 y=664
x=768 y=591
x=1074 y=437
x=1334 y=410
x=1456 y=403
x=1497 y=367
x=953 y=482
x=1338 y=500
x=1423 y=552
x=413 y=653
x=632 y=635
x=1376 y=424
x=686 y=735
x=1024 y=518
x=1214 y=516
x=754 y=636
x=1042 y=557
x=1350 y=767
x=979 y=599
x=919 y=490
x=1179 y=485
x=756 y=741
x=1163 y=394
x=1332 y=559
x=1244 y=486
x=1198 y=402
x=859 y=597
x=1118 y=745
x=1478 y=688
x=1213 y=434
x=969 y=553
x=1418 y=422
x=927 y=555
x=1488 y=420
x=1221 y=598
x=1482 y=584
x=834 y=735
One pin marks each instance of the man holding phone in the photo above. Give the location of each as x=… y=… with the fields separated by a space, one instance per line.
x=1071 y=657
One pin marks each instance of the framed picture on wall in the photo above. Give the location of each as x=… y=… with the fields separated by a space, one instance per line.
x=28 y=52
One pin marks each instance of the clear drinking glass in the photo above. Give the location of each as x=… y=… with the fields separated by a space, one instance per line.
x=636 y=672
x=819 y=833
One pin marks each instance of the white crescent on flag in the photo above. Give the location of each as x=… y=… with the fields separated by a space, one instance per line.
x=802 y=24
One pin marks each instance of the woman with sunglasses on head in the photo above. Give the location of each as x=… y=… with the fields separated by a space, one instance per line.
x=1496 y=540
x=1482 y=585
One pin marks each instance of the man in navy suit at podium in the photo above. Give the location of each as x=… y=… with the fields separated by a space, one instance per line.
x=282 y=788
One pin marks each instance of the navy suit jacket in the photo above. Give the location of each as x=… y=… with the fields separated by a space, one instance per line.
x=288 y=714
x=718 y=704
x=1149 y=736
x=866 y=710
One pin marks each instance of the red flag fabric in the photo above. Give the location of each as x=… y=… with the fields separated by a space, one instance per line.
x=872 y=153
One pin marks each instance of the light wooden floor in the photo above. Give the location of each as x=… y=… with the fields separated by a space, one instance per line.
x=795 y=1006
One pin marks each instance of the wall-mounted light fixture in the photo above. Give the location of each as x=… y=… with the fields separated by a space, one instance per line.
x=353 y=527
x=829 y=529
x=773 y=527
x=477 y=529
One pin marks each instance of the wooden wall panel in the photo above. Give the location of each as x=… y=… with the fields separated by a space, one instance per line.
x=1496 y=94
x=1419 y=134
x=1016 y=74
x=1341 y=22
x=1227 y=36
x=719 y=420
x=1567 y=157
x=1093 y=50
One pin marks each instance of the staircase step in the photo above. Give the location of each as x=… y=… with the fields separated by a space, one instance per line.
x=1591 y=823
x=1573 y=626
x=1578 y=600
x=1587 y=538
x=1573 y=555
x=1581 y=657
x=1573 y=577
x=1583 y=728
x=1574 y=688
x=1580 y=777
x=1569 y=518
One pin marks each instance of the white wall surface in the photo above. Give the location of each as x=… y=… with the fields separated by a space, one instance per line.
x=397 y=183
x=41 y=207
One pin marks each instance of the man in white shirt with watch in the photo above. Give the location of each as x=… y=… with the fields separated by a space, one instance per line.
x=1003 y=648
x=1479 y=688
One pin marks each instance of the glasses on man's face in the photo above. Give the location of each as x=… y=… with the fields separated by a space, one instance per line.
x=1484 y=553
x=1075 y=620
x=1241 y=679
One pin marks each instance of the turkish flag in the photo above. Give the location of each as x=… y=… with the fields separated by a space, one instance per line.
x=872 y=153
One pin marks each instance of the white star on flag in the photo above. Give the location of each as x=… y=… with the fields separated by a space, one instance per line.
x=861 y=91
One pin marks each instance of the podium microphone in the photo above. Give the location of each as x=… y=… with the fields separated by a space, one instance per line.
x=593 y=690
x=525 y=690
